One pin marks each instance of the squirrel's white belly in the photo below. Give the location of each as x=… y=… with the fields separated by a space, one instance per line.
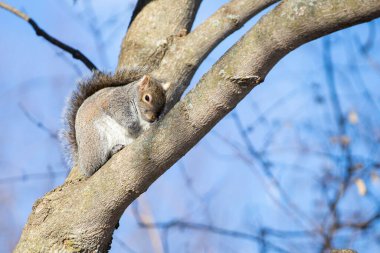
x=144 y=124
x=112 y=132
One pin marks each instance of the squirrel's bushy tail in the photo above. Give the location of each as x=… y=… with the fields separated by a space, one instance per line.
x=85 y=89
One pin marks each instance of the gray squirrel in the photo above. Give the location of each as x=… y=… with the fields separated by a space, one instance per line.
x=107 y=112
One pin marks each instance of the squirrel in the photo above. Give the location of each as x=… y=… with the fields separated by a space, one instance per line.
x=107 y=112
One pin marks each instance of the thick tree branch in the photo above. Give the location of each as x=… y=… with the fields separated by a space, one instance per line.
x=75 y=53
x=188 y=52
x=81 y=214
x=138 y=7
x=148 y=36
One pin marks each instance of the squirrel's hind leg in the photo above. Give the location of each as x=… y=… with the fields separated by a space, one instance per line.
x=92 y=155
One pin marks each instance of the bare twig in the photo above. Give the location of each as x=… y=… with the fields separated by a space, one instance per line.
x=38 y=175
x=364 y=224
x=123 y=244
x=211 y=229
x=266 y=167
x=39 y=124
x=76 y=54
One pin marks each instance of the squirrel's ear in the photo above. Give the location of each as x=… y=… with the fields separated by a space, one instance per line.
x=165 y=86
x=144 y=81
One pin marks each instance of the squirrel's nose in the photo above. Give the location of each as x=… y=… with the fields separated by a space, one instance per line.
x=152 y=118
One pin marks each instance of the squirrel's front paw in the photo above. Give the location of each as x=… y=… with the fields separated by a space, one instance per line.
x=116 y=148
x=134 y=129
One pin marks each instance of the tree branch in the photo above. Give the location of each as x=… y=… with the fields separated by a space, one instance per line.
x=138 y=7
x=146 y=41
x=191 y=50
x=75 y=53
x=213 y=229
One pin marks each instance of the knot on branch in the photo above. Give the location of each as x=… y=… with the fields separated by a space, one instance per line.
x=158 y=54
x=41 y=209
x=243 y=81
x=232 y=17
x=186 y=109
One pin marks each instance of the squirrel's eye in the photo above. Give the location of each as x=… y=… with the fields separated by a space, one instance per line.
x=147 y=98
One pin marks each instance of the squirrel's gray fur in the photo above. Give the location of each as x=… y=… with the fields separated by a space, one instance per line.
x=107 y=112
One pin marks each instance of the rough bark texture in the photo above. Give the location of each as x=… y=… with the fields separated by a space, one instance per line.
x=188 y=52
x=147 y=39
x=80 y=215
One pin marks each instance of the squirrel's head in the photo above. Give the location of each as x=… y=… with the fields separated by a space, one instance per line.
x=151 y=98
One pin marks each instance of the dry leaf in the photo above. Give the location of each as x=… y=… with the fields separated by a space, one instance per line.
x=353 y=117
x=362 y=189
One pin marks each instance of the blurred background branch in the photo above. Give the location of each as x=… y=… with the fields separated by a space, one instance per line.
x=75 y=53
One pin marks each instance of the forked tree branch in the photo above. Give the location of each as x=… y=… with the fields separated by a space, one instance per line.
x=188 y=52
x=146 y=41
x=75 y=53
x=81 y=214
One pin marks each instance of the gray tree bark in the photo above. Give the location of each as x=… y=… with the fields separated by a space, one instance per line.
x=81 y=214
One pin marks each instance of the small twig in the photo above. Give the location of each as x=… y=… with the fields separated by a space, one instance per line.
x=76 y=54
x=211 y=229
x=123 y=244
x=39 y=124
x=38 y=175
